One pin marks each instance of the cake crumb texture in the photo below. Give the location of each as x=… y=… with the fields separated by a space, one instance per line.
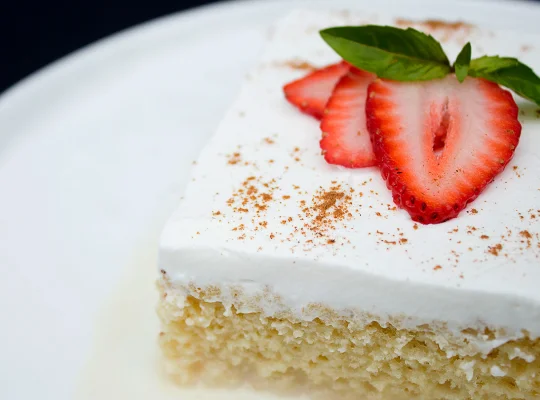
x=205 y=339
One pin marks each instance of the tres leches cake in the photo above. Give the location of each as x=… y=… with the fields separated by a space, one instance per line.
x=296 y=268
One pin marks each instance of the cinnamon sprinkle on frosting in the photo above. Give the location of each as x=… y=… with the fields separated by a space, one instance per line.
x=234 y=158
x=494 y=250
x=300 y=65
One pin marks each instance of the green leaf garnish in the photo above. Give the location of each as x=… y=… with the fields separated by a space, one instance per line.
x=391 y=53
x=517 y=76
x=410 y=55
x=488 y=64
x=463 y=61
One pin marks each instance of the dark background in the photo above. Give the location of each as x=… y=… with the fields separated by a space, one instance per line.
x=35 y=33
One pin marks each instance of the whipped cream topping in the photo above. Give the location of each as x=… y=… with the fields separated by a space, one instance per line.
x=264 y=211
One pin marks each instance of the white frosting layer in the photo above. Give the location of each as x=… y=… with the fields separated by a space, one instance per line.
x=481 y=269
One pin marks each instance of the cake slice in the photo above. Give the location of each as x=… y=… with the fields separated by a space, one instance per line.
x=280 y=267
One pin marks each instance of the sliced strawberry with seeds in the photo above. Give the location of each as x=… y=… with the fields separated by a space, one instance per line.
x=345 y=138
x=440 y=143
x=311 y=93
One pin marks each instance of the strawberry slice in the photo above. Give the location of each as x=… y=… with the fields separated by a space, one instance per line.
x=440 y=143
x=345 y=138
x=311 y=93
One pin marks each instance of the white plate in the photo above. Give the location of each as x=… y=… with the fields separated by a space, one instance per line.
x=94 y=153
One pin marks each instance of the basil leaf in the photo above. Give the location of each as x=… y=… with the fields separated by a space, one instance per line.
x=463 y=61
x=488 y=64
x=391 y=53
x=518 y=77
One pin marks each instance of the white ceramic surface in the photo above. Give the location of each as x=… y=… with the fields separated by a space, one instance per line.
x=94 y=153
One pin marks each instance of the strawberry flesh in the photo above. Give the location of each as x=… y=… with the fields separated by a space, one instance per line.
x=345 y=138
x=440 y=143
x=311 y=93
